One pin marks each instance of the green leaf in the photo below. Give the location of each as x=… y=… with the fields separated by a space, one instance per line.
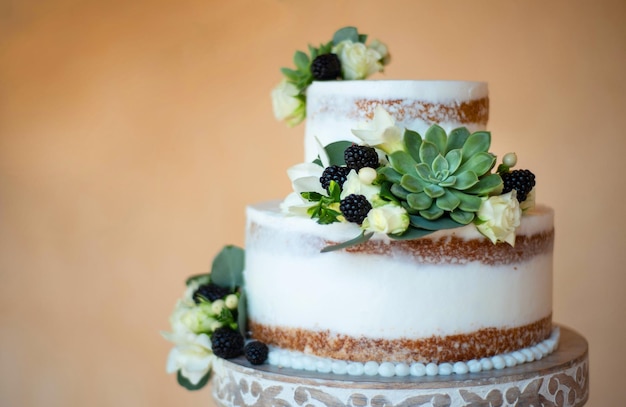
x=486 y=185
x=346 y=33
x=465 y=180
x=204 y=278
x=454 y=158
x=312 y=196
x=390 y=174
x=301 y=60
x=362 y=38
x=432 y=213
x=413 y=141
x=424 y=172
x=469 y=203
x=183 y=381
x=399 y=192
x=464 y=218
x=457 y=138
x=334 y=191
x=450 y=181
x=479 y=163
x=362 y=238
x=227 y=269
x=439 y=224
x=290 y=74
x=411 y=183
x=477 y=142
x=402 y=162
x=437 y=135
x=412 y=233
x=428 y=152
x=440 y=164
x=242 y=314
x=336 y=151
x=419 y=201
x=448 y=201
x=434 y=190
x=385 y=192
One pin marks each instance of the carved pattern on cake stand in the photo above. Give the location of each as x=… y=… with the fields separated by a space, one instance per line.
x=559 y=380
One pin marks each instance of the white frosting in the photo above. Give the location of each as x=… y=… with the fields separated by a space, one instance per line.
x=299 y=361
x=291 y=285
x=333 y=108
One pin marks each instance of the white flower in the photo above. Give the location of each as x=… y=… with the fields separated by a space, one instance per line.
x=286 y=103
x=381 y=132
x=192 y=355
x=357 y=60
x=382 y=50
x=389 y=219
x=499 y=216
x=194 y=318
x=360 y=184
x=304 y=177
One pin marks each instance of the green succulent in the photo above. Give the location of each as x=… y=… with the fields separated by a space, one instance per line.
x=440 y=179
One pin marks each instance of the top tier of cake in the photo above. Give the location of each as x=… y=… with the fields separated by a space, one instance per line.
x=334 y=108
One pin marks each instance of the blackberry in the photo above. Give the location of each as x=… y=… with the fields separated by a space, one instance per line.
x=522 y=181
x=326 y=67
x=226 y=343
x=256 y=352
x=357 y=157
x=334 y=173
x=210 y=292
x=355 y=208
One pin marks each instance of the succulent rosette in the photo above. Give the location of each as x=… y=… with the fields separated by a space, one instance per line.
x=211 y=302
x=346 y=57
x=408 y=185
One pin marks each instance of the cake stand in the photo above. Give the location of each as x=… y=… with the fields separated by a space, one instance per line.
x=559 y=379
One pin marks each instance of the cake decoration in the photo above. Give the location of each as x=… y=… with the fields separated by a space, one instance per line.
x=346 y=56
x=408 y=186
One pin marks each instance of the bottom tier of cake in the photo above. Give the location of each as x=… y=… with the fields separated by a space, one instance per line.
x=560 y=379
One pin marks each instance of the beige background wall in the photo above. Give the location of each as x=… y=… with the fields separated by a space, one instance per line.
x=133 y=134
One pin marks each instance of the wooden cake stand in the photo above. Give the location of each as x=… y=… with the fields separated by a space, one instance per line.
x=559 y=379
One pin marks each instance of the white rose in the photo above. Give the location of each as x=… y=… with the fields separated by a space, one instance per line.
x=287 y=106
x=499 y=216
x=360 y=184
x=357 y=60
x=390 y=219
x=192 y=355
x=381 y=132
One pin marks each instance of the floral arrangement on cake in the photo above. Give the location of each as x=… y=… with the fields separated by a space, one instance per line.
x=209 y=321
x=346 y=56
x=406 y=185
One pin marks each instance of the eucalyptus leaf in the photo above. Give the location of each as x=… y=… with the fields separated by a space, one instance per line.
x=437 y=135
x=477 y=142
x=362 y=238
x=457 y=138
x=439 y=224
x=336 y=152
x=346 y=33
x=227 y=269
x=183 y=381
x=413 y=141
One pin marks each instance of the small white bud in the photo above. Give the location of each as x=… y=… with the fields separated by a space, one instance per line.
x=231 y=301
x=509 y=159
x=217 y=306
